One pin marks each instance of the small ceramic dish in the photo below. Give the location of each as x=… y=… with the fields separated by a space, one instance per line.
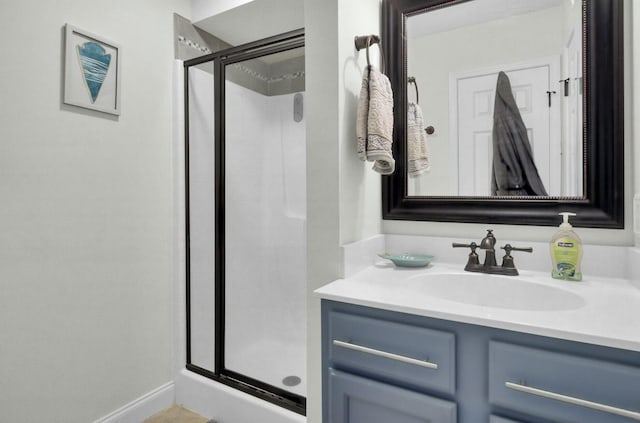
x=408 y=260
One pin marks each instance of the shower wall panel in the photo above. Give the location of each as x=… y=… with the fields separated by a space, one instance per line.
x=265 y=236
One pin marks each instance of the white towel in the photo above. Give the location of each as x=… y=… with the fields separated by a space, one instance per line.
x=374 y=126
x=418 y=154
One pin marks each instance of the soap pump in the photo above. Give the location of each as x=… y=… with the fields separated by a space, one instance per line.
x=566 y=251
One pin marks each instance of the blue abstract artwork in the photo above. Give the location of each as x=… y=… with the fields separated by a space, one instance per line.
x=94 y=61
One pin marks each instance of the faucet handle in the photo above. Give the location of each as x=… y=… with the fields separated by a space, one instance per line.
x=473 y=256
x=507 y=260
x=508 y=248
x=471 y=245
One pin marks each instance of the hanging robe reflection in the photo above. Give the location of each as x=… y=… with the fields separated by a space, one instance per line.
x=514 y=171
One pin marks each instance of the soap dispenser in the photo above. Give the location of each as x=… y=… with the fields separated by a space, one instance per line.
x=566 y=251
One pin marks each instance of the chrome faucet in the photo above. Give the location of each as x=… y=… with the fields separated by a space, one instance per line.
x=490 y=265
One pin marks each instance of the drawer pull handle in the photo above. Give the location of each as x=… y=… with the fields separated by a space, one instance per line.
x=575 y=401
x=385 y=354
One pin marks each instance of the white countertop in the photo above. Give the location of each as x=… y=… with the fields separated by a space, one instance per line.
x=607 y=313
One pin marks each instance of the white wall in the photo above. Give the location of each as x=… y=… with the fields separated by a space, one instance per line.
x=343 y=193
x=360 y=196
x=85 y=215
x=323 y=176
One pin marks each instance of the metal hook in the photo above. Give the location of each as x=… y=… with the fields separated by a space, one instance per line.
x=364 y=41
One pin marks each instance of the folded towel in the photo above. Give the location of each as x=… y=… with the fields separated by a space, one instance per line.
x=418 y=153
x=374 y=126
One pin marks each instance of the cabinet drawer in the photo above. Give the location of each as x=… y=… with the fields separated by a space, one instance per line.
x=561 y=386
x=356 y=399
x=402 y=353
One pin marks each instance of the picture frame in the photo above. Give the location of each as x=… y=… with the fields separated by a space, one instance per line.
x=92 y=71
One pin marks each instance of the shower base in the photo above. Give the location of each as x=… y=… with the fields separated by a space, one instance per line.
x=275 y=362
x=225 y=404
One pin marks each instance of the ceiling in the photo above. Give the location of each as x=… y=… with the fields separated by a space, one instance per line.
x=255 y=20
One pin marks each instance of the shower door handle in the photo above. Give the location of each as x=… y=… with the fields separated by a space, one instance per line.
x=385 y=354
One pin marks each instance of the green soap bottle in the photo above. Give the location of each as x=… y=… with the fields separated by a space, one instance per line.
x=566 y=251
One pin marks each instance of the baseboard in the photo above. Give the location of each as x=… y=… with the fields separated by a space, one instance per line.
x=144 y=407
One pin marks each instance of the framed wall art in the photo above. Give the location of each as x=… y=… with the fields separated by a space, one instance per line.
x=91 y=71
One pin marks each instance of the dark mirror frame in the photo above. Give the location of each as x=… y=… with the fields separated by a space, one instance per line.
x=602 y=205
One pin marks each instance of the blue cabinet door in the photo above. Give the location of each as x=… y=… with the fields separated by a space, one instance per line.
x=355 y=399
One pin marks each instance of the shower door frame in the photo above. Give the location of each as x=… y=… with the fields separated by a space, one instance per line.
x=276 y=44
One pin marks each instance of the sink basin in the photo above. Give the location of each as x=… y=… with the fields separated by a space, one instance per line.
x=497 y=291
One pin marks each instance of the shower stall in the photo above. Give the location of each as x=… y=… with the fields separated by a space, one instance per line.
x=245 y=197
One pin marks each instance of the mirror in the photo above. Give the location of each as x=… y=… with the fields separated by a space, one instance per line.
x=546 y=136
x=538 y=46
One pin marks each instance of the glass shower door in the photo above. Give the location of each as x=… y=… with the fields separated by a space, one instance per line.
x=200 y=165
x=246 y=218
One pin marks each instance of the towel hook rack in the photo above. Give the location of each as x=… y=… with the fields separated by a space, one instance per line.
x=412 y=80
x=364 y=41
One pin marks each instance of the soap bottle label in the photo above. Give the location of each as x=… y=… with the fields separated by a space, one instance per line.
x=565 y=255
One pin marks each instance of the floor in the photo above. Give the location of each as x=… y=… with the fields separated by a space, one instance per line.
x=177 y=414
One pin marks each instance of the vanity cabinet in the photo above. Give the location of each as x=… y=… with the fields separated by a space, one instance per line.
x=385 y=366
